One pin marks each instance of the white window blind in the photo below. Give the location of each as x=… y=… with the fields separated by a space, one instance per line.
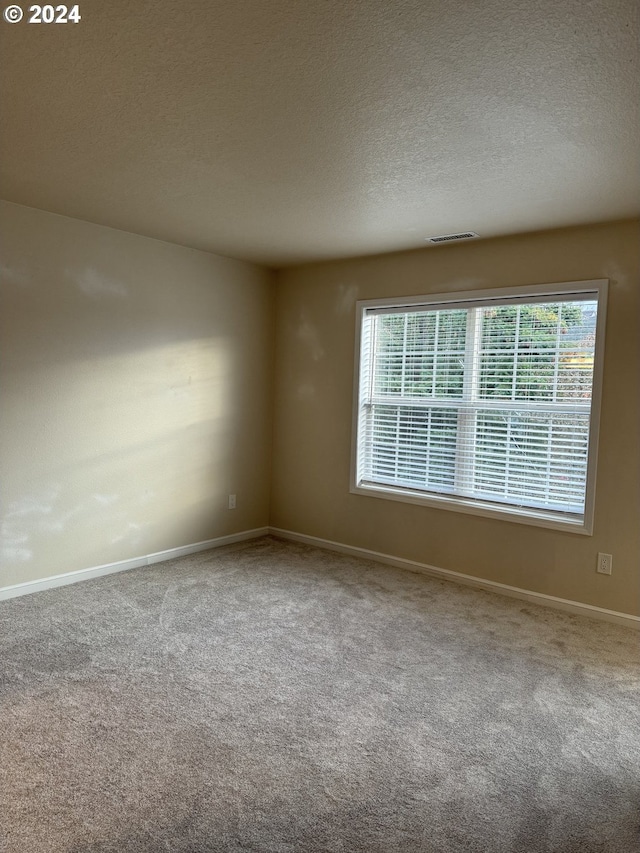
x=485 y=401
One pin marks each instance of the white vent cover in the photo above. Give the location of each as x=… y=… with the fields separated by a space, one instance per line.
x=449 y=238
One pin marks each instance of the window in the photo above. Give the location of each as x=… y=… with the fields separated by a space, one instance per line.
x=483 y=402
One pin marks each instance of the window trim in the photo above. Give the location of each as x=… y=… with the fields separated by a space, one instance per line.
x=495 y=296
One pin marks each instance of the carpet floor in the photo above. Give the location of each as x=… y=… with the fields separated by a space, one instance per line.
x=277 y=698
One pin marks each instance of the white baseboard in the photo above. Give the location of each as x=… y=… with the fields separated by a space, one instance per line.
x=577 y=607
x=123 y=565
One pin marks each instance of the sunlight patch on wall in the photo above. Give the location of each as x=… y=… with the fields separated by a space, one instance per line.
x=96 y=285
x=19 y=521
x=305 y=391
x=308 y=334
x=16 y=276
x=347 y=297
x=133 y=438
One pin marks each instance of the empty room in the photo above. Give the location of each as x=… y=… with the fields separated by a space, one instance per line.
x=319 y=420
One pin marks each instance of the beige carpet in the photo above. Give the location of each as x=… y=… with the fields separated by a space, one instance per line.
x=275 y=697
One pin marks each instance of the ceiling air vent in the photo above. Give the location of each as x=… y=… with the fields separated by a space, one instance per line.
x=449 y=238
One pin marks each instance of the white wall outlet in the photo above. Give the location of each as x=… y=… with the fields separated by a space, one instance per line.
x=605 y=562
x=232 y=501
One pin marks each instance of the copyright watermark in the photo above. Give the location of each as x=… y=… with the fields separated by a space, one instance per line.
x=43 y=14
x=13 y=14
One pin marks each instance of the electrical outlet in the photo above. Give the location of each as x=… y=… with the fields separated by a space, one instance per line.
x=232 y=501
x=604 y=564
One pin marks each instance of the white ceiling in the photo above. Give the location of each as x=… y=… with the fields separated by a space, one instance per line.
x=281 y=131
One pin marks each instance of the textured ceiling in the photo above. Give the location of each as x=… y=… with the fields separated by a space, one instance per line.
x=289 y=130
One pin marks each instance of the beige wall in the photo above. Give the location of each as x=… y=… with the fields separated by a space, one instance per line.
x=135 y=395
x=315 y=318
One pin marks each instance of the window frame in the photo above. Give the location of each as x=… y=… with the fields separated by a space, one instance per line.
x=477 y=298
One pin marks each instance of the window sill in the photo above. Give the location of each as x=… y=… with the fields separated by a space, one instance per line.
x=535 y=518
